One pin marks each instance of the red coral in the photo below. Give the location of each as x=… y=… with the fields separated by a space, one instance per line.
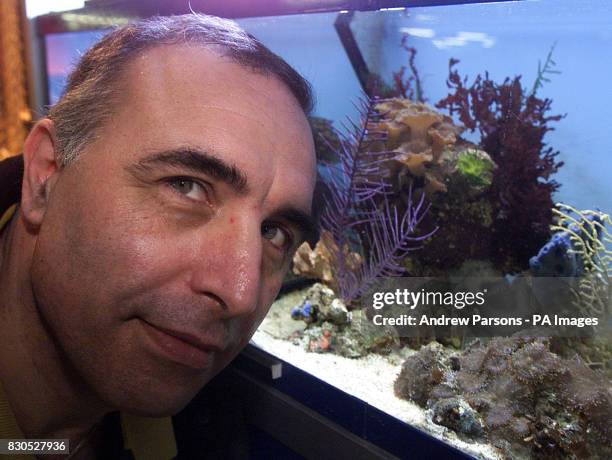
x=406 y=81
x=409 y=87
x=512 y=126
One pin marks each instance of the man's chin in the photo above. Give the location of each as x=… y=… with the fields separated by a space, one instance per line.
x=158 y=407
x=151 y=397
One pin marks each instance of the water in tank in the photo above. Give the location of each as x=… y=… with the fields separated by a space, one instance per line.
x=462 y=149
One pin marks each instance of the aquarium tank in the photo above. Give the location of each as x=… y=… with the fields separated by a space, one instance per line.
x=461 y=281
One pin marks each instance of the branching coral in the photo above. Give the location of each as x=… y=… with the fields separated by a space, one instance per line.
x=544 y=70
x=409 y=86
x=512 y=126
x=592 y=245
x=358 y=215
x=406 y=81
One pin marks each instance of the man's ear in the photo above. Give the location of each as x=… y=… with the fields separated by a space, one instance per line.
x=40 y=172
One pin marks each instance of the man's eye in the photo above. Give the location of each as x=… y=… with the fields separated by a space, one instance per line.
x=190 y=188
x=277 y=236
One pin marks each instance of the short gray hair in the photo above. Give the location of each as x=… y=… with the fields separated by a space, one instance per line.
x=89 y=97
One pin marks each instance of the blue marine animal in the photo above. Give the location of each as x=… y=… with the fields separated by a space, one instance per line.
x=560 y=257
x=555 y=258
x=305 y=312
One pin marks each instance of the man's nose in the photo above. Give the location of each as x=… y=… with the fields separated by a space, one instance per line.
x=229 y=265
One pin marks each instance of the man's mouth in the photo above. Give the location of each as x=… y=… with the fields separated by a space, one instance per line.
x=181 y=347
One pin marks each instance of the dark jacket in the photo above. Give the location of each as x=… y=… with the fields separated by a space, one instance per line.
x=11 y=174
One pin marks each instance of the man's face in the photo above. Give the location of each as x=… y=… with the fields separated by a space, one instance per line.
x=182 y=216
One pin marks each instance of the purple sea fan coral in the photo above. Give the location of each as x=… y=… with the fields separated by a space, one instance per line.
x=358 y=215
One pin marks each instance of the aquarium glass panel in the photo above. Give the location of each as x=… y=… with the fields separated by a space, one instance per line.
x=461 y=283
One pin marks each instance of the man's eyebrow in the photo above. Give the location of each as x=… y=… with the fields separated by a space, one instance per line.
x=303 y=221
x=201 y=162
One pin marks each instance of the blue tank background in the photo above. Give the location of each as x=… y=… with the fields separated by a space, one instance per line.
x=504 y=39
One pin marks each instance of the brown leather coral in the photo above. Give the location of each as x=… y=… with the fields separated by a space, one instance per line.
x=421 y=136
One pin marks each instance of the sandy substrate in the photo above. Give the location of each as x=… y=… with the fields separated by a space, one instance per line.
x=371 y=379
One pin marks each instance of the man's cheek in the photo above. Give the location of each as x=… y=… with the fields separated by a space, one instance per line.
x=139 y=260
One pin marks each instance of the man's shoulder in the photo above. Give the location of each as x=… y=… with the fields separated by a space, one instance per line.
x=149 y=438
x=127 y=437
